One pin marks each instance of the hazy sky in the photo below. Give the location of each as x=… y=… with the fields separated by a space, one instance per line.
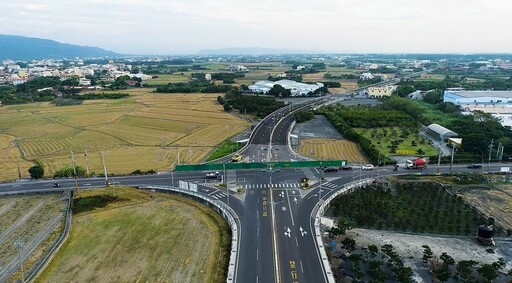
x=187 y=26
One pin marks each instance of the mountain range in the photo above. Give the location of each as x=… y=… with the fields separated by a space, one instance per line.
x=15 y=47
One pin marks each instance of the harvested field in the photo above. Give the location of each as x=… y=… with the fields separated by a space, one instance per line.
x=133 y=132
x=138 y=238
x=321 y=148
x=493 y=202
x=37 y=220
x=10 y=154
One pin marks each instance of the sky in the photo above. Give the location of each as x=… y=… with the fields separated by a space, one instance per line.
x=340 y=26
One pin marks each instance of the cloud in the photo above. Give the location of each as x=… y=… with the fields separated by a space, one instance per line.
x=178 y=26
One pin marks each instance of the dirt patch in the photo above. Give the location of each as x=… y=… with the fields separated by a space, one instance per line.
x=493 y=202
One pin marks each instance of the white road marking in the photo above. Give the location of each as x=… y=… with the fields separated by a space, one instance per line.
x=296 y=241
x=301 y=267
x=290 y=206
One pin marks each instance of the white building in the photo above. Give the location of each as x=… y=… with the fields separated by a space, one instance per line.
x=297 y=89
x=459 y=96
x=380 y=91
x=496 y=103
x=84 y=82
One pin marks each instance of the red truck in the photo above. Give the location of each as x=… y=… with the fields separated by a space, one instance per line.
x=418 y=163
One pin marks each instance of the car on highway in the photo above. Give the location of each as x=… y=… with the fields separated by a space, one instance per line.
x=367 y=167
x=330 y=169
x=475 y=165
x=346 y=167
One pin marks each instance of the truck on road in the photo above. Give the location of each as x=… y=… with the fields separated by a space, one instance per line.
x=418 y=163
x=213 y=175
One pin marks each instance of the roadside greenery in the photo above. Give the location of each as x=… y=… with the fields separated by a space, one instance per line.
x=303 y=116
x=193 y=87
x=420 y=207
x=256 y=105
x=223 y=149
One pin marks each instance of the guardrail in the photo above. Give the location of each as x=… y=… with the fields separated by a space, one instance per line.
x=317 y=214
x=40 y=266
x=226 y=212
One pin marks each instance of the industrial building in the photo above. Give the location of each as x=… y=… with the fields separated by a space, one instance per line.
x=496 y=103
x=297 y=89
x=460 y=96
x=439 y=133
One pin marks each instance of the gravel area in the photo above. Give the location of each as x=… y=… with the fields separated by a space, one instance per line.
x=318 y=127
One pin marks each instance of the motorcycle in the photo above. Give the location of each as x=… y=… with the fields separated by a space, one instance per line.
x=396 y=168
x=56 y=185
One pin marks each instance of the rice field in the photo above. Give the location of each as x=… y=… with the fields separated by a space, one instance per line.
x=144 y=131
x=330 y=149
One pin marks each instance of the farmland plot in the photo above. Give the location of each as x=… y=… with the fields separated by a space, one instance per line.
x=132 y=131
x=329 y=149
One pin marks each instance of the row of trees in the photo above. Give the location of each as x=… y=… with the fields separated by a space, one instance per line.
x=414 y=207
x=256 y=105
x=193 y=87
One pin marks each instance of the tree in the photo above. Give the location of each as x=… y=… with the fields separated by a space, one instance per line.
x=36 y=172
x=427 y=253
x=227 y=107
x=220 y=100
x=279 y=91
x=488 y=271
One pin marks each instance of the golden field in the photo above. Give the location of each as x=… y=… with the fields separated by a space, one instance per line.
x=145 y=131
x=331 y=149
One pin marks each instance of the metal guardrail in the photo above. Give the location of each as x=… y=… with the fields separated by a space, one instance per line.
x=41 y=265
x=226 y=212
x=317 y=214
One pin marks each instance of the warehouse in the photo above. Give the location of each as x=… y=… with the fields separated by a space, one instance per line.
x=297 y=89
x=440 y=133
x=460 y=96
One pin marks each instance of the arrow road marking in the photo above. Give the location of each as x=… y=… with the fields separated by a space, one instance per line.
x=302 y=231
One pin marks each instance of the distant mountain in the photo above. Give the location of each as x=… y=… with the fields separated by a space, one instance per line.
x=253 y=51
x=27 y=48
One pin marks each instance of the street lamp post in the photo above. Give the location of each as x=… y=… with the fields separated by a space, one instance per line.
x=225 y=182
x=19 y=243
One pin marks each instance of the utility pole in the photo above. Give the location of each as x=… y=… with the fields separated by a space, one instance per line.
x=453 y=152
x=74 y=170
x=172 y=177
x=320 y=192
x=19 y=243
x=19 y=169
x=438 y=159
x=224 y=179
x=86 y=162
x=490 y=151
x=104 y=168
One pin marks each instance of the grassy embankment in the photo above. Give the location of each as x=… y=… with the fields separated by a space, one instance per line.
x=141 y=237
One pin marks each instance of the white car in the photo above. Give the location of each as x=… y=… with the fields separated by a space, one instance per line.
x=367 y=167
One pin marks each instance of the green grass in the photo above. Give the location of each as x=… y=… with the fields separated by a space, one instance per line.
x=389 y=134
x=224 y=149
x=433 y=115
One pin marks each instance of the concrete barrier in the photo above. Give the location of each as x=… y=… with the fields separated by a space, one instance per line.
x=317 y=213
